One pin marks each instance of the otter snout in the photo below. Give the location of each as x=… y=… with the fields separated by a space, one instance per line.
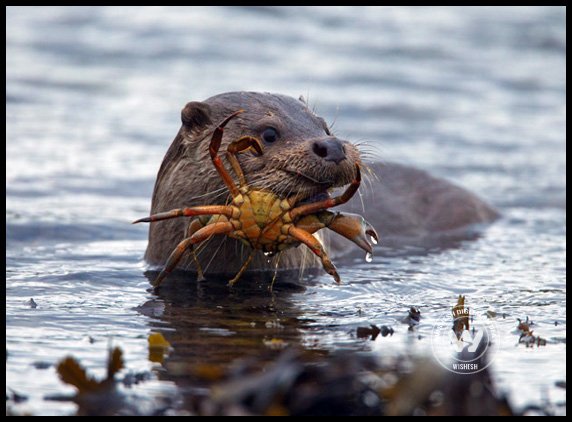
x=331 y=149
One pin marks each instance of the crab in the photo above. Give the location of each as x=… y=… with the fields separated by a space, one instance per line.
x=261 y=219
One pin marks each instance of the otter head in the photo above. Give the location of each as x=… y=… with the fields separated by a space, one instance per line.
x=301 y=155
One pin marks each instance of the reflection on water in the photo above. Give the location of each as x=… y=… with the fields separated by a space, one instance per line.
x=93 y=99
x=208 y=323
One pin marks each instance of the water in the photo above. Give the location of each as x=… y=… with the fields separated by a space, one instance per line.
x=93 y=97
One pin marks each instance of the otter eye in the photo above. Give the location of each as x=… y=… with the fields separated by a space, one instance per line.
x=270 y=135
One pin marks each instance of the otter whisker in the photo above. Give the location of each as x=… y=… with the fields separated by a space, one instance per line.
x=213 y=194
x=300 y=174
x=215 y=253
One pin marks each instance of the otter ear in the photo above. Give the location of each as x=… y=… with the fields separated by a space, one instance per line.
x=196 y=115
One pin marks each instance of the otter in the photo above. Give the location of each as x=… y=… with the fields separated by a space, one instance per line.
x=303 y=156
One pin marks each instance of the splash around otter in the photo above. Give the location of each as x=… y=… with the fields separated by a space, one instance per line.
x=301 y=157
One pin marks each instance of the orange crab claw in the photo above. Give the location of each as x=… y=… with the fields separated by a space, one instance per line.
x=355 y=228
x=351 y=226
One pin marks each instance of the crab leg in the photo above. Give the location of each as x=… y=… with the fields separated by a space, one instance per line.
x=198 y=237
x=194 y=226
x=316 y=247
x=188 y=212
x=217 y=162
x=330 y=202
x=243 y=268
x=238 y=146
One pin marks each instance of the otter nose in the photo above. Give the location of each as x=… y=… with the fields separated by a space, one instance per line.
x=331 y=149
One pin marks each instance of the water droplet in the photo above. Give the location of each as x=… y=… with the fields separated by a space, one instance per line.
x=373 y=240
x=368 y=257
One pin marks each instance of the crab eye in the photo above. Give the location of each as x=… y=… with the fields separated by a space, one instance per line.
x=269 y=135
